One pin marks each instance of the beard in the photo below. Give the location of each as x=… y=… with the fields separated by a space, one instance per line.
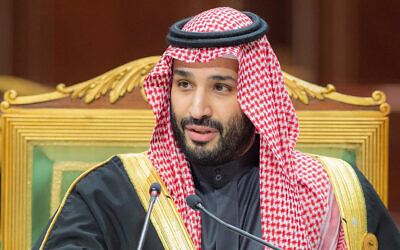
x=235 y=137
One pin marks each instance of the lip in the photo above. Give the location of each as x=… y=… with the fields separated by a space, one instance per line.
x=201 y=133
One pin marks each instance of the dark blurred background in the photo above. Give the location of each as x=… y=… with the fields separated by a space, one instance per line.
x=351 y=44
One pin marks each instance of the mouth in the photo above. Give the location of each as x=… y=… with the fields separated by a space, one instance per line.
x=201 y=133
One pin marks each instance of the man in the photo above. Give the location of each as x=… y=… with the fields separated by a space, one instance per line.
x=225 y=130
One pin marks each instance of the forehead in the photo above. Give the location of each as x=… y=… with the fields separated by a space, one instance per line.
x=220 y=62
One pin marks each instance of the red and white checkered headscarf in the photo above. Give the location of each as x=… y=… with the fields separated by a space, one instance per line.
x=293 y=186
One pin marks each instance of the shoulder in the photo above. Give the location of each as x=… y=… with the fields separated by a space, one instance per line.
x=115 y=175
x=112 y=174
x=103 y=181
x=109 y=171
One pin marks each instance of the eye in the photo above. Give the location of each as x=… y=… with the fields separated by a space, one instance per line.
x=222 y=87
x=184 y=84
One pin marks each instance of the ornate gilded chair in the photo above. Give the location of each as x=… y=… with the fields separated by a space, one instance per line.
x=49 y=139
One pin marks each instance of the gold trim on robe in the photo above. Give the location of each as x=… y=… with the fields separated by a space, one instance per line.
x=165 y=217
x=350 y=198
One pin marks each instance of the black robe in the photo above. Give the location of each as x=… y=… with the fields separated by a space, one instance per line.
x=103 y=211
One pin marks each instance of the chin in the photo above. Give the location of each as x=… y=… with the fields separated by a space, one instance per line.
x=208 y=145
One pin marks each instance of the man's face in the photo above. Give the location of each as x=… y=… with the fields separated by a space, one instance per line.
x=206 y=118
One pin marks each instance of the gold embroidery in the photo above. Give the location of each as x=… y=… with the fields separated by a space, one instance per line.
x=165 y=217
x=350 y=198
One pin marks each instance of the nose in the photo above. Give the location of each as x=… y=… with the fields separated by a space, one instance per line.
x=200 y=105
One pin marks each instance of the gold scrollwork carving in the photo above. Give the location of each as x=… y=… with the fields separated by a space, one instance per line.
x=10 y=94
x=378 y=96
x=300 y=89
x=4 y=105
x=126 y=78
x=384 y=108
x=116 y=83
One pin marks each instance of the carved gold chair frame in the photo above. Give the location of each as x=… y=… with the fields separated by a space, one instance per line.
x=328 y=119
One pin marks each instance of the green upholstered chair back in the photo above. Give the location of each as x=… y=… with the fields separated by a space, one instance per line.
x=50 y=139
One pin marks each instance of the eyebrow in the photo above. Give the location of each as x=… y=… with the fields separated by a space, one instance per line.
x=185 y=73
x=221 y=78
x=182 y=73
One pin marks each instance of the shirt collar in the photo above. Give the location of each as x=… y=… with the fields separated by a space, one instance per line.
x=219 y=175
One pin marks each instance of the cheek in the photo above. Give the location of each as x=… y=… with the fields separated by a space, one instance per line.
x=177 y=105
x=228 y=109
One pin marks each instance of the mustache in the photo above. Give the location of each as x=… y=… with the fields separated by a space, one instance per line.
x=204 y=121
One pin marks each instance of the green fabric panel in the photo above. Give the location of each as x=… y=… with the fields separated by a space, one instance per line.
x=347 y=154
x=44 y=156
x=41 y=186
